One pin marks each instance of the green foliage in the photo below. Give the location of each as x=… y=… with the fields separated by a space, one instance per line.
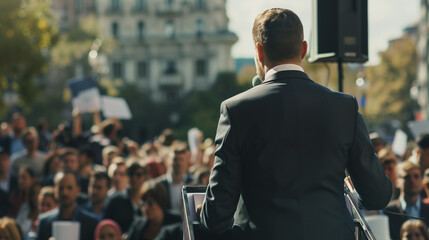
x=26 y=33
x=390 y=82
x=201 y=108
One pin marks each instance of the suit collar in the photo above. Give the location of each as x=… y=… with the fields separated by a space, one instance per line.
x=293 y=74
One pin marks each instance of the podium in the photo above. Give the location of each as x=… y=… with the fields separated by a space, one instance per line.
x=192 y=196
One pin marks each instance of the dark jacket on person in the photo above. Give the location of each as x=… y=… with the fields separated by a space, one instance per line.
x=396 y=221
x=121 y=210
x=87 y=221
x=284 y=146
x=171 y=228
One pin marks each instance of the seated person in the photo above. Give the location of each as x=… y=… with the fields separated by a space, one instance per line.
x=409 y=202
x=414 y=229
x=108 y=229
x=157 y=221
x=123 y=208
x=67 y=189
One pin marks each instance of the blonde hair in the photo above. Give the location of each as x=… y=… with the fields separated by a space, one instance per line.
x=11 y=227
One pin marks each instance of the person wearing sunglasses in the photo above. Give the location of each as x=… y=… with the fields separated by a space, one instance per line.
x=123 y=208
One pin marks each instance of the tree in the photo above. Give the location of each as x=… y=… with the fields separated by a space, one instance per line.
x=388 y=95
x=201 y=108
x=27 y=31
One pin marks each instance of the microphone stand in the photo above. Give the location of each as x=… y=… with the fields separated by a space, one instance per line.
x=358 y=217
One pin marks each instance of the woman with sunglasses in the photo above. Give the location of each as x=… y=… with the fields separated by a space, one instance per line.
x=123 y=208
x=157 y=222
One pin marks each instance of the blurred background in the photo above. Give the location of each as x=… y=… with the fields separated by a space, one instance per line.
x=174 y=61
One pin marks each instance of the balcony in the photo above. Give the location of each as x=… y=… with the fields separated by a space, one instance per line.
x=168 y=10
x=113 y=9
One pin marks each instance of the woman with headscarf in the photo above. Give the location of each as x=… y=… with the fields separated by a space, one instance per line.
x=108 y=230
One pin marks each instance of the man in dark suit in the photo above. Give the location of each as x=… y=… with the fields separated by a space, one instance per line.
x=284 y=146
x=67 y=189
x=410 y=202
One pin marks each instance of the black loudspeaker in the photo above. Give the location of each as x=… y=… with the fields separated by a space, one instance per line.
x=340 y=31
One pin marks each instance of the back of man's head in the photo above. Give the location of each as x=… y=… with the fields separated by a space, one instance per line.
x=280 y=33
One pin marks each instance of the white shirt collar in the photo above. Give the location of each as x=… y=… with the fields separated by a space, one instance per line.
x=283 y=67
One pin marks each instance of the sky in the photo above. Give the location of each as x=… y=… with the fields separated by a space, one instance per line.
x=386 y=20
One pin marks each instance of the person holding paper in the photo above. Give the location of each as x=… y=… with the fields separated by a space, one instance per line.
x=67 y=189
x=283 y=147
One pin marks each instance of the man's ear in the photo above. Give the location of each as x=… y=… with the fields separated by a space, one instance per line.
x=304 y=48
x=260 y=52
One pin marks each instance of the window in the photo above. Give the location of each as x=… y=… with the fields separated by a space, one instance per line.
x=115 y=30
x=201 y=3
x=117 y=70
x=199 y=26
x=170 y=68
x=200 y=67
x=77 y=6
x=169 y=28
x=140 y=29
x=143 y=69
x=115 y=5
x=140 y=4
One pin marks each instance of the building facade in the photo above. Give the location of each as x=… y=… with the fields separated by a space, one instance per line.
x=167 y=47
x=421 y=86
x=70 y=11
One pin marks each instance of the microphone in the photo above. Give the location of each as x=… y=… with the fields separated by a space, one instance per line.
x=256 y=81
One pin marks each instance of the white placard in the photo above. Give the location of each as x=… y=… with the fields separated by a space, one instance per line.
x=419 y=128
x=399 y=144
x=379 y=225
x=194 y=135
x=114 y=107
x=87 y=101
x=85 y=94
x=66 y=230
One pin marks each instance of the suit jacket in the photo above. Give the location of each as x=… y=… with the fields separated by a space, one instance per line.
x=88 y=222
x=171 y=228
x=284 y=146
x=396 y=221
x=121 y=210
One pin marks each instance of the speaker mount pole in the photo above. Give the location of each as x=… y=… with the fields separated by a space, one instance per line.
x=340 y=74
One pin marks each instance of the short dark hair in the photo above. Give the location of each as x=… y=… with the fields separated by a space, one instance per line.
x=423 y=142
x=29 y=170
x=98 y=175
x=86 y=150
x=180 y=147
x=133 y=166
x=68 y=151
x=61 y=174
x=107 y=127
x=280 y=33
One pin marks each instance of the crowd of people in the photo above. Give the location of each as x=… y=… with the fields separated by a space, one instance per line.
x=117 y=189
x=408 y=210
x=113 y=187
